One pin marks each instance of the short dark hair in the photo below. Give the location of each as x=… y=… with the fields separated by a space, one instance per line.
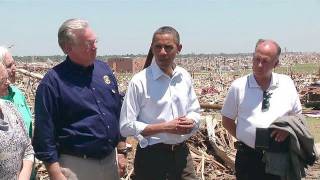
x=167 y=30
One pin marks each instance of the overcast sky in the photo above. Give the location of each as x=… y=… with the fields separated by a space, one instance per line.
x=126 y=26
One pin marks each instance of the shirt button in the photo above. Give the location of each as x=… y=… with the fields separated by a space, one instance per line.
x=93 y=88
x=109 y=140
x=108 y=127
x=98 y=101
x=104 y=114
x=113 y=91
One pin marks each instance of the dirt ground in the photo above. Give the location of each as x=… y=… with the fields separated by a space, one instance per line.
x=313 y=172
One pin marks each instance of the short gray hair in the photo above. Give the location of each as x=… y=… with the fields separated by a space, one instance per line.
x=167 y=30
x=260 y=41
x=3 y=52
x=66 y=34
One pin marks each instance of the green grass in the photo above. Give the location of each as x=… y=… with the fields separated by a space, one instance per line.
x=299 y=68
x=314 y=127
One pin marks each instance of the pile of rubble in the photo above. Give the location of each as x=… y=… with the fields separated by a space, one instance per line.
x=212 y=148
x=311 y=95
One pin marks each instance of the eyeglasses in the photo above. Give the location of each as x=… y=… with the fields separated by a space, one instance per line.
x=265 y=101
x=90 y=43
x=87 y=43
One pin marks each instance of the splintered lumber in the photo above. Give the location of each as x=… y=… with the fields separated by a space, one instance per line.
x=202 y=167
x=31 y=74
x=211 y=124
x=208 y=164
x=222 y=152
x=129 y=174
x=211 y=106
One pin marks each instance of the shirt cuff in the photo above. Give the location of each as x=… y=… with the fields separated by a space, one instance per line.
x=139 y=127
x=143 y=142
x=48 y=157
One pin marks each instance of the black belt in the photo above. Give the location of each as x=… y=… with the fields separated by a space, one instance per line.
x=240 y=146
x=97 y=156
x=167 y=147
x=276 y=147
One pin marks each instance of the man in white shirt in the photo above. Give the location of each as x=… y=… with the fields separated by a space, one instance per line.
x=161 y=110
x=255 y=101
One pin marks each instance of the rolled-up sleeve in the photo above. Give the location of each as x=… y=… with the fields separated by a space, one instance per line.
x=129 y=126
x=45 y=112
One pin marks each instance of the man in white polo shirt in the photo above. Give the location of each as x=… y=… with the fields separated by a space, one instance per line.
x=255 y=101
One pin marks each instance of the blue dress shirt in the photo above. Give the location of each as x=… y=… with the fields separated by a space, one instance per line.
x=77 y=110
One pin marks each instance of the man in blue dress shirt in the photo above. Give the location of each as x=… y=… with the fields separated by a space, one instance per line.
x=77 y=110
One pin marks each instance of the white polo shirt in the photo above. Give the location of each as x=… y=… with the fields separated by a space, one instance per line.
x=244 y=101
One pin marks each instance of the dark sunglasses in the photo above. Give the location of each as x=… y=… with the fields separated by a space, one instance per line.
x=265 y=101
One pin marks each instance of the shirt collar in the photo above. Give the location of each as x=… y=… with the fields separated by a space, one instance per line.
x=78 y=68
x=157 y=72
x=273 y=84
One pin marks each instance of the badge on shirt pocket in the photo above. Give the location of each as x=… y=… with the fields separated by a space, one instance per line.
x=106 y=79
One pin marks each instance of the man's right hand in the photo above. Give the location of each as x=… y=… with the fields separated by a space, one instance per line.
x=54 y=170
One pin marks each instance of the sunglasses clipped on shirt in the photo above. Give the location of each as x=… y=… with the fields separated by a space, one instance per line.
x=265 y=101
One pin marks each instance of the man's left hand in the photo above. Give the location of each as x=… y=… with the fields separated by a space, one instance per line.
x=279 y=135
x=185 y=125
x=122 y=164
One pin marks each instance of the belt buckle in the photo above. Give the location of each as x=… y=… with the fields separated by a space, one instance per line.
x=240 y=146
x=174 y=146
x=84 y=156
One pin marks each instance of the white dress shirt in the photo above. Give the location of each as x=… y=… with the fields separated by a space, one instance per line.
x=244 y=103
x=154 y=97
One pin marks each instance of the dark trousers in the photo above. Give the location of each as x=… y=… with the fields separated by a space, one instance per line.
x=249 y=165
x=163 y=162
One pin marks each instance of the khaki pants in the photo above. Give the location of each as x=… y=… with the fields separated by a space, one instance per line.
x=86 y=169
